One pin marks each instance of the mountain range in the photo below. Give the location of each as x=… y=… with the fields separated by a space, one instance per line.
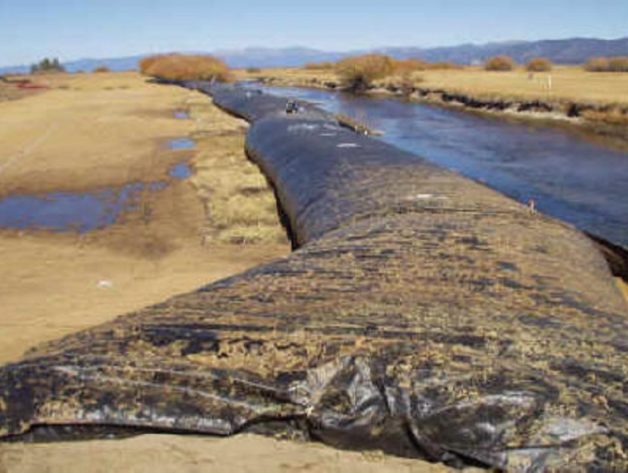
x=562 y=51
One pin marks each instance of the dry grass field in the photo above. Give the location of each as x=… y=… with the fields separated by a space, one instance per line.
x=567 y=82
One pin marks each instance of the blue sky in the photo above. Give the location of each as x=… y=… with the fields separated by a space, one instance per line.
x=72 y=29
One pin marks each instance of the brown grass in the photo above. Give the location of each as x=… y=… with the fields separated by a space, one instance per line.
x=101 y=69
x=240 y=205
x=406 y=66
x=539 y=64
x=614 y=116
x=10 y=91
x=569 y=83
x=320 y=66
x=499 y=63
x=185 y=67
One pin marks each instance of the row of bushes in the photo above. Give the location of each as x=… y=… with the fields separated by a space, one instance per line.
x=399 y=66
x=506 y=63
x=359 y=72
x=607 y=64
x=185 y=67
x=596 y=64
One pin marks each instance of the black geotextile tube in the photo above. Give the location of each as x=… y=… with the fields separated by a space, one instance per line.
x=422 y=314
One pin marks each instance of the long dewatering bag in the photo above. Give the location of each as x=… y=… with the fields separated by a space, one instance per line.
x=421 y=313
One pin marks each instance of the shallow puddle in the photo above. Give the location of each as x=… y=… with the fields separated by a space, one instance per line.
x=65 y=211
x=181 y=143
x=76 y=211
x=180 y=171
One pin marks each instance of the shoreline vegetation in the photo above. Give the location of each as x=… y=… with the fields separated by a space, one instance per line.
x=588 y=98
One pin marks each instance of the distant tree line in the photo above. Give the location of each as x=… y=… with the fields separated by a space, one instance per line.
x=47 y=65
x=607 y=64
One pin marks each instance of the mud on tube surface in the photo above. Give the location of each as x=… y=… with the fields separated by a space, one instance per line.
x=421 y=313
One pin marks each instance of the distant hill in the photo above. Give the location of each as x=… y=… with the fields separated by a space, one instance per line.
x=268 y=57
x=562 y=51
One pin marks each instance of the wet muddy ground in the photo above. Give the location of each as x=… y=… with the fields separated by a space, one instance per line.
x=86 y=211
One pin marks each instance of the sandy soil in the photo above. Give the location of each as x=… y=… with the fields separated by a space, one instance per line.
x=86 y=131
x=169 y=453
x=94 y=131
x=57 y=285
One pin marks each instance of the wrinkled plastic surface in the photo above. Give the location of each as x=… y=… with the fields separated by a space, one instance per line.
x=422 y=314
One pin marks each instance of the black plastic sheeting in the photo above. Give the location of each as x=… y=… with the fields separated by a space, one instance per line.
x=422 y=314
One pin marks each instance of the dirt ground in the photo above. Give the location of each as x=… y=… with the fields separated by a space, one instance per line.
x=188 y=454
x=100 y=130
x=87 y=131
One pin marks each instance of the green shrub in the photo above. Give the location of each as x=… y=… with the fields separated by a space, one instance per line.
x=499 y=63
x=47 y=65
x=539 y=64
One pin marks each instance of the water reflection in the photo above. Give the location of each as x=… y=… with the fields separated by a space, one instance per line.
x=180 y=171
x=79 y=211
x=65 y=211
x=181 y=143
